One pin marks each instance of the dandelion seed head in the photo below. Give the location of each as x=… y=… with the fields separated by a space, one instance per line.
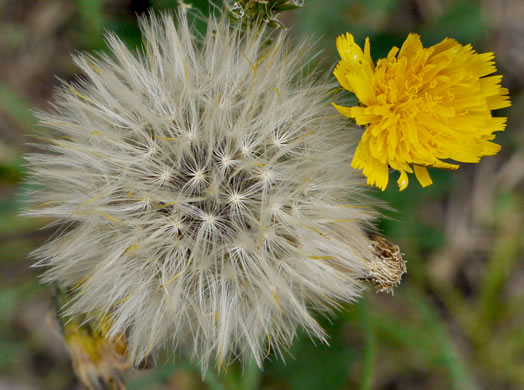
x=202 y=210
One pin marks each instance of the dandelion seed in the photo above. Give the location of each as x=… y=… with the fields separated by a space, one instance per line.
x=420 y=106
x=187 y=224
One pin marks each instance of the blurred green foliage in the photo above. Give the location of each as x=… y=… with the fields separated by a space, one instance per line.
x=455 y=322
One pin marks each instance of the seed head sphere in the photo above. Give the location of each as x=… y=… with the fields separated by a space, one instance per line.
x=205 y=194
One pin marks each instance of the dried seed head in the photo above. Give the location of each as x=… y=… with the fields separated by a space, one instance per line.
x=206 y=190
x=387 y=266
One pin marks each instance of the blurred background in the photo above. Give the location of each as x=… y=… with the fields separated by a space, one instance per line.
x=456 y=321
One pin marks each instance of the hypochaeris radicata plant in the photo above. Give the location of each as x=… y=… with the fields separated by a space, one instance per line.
x=204 y=193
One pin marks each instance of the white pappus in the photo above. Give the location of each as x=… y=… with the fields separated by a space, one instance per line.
x=205 y=193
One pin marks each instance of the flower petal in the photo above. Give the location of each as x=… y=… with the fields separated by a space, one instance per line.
x=403 y=181
x=355 y=70
x=422 y=175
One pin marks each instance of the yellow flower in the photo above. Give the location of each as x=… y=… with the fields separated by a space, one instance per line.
x=420 y=106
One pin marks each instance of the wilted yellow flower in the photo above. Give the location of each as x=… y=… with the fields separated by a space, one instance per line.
x=97 y=361
x=420 y=106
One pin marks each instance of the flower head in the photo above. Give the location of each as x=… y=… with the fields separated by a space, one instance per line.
x=420 y=106
x=203 y=192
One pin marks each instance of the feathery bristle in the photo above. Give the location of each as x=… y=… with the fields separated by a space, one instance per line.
x=205 y=192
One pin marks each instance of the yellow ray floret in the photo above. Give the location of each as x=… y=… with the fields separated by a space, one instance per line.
x=420 y=106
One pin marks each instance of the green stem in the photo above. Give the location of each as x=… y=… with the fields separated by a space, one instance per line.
x=370 y=344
